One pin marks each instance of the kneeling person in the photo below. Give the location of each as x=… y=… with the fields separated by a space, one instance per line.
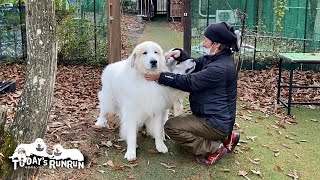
x=207 y=133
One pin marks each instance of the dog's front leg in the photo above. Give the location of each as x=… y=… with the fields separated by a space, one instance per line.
x=128 y=131
x=159 y=132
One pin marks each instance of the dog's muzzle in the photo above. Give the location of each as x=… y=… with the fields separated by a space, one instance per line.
x=153 y=63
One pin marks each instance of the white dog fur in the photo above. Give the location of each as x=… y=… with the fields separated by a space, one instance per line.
x=38 y=148
x=136 y=100
x=73 y=154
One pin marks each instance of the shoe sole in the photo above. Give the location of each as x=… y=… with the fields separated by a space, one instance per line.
x=236 y=142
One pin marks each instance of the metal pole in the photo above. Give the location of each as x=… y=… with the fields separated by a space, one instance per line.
x=279 y=81
x=305 y=27
x=242 y=30
x=208 y=10
x=255 y=31
x=23 y=34
x=95 y=29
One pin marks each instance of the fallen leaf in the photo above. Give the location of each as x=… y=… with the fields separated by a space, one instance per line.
x=237 y=162
x=286 y=146
x=131 y=176
x=252 y=138
x=131 y=165
x=167 y=166
x=97 y=128
x=108 y=163
x=245 y=148
x=119 y=168
x=246 y=117
x=225 y=170
x=243 y=141
x=171 y=170
x=152 y=151
x=117 y=146
x=67 y=123
x=256 y=172
x=278 y=168
x=253 y=161
x=101 y=171
x=242 y=173
x=294 y=174
x=314 y=120
x=276 y=154
x=297 y=156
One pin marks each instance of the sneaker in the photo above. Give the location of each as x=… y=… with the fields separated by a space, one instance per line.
x=231 y=143
x=212 y=159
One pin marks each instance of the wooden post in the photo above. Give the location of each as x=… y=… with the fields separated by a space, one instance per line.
x=187 y=26
x=114 y=30
x=3 y=120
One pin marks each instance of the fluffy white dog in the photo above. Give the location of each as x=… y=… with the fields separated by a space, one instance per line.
x=38 y=148
x=136 y=100
x=59 y=152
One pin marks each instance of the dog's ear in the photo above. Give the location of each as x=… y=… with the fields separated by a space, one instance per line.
x=133 y=58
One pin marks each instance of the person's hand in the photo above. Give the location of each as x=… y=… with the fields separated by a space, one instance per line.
x=174 y=54
x=152 y=77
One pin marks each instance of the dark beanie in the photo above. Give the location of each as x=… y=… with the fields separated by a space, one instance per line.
x=222 y=33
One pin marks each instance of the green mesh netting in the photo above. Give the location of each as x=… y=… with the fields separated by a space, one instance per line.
x=82 y=31
x=275 y=26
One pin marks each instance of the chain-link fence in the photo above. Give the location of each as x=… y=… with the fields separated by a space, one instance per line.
x=267 y=27
x=81 y=31
x=12 y=30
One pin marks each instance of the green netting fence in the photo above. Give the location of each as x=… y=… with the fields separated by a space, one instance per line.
x=81 y=30
x=269 y=26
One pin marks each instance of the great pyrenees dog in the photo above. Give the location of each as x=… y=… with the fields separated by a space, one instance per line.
x=136 y=100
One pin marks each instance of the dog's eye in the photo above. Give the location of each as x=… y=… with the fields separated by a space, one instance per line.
x=177 y=63
x=144 y=52
x=156 y=52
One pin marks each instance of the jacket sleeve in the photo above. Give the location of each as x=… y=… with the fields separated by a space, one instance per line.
x=207 y=78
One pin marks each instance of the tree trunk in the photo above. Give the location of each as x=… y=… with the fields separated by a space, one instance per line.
x=33 y=111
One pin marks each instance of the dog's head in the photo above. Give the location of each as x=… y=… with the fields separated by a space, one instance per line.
x=148 y=58
x=21 y=151
x=57 y=150
x=184 y=67
x=40 y=145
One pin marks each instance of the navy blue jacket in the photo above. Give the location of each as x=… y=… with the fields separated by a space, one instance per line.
x=212 y=87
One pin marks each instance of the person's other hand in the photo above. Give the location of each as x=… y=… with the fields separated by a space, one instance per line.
x=152 y=77
x=174 y=54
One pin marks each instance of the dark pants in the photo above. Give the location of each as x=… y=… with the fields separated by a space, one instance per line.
x=194 y=134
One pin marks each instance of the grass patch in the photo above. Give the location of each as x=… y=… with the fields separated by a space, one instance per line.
x=302 y=139
x=158 y=32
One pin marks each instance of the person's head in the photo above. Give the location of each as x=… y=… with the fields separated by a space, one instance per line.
x=219 y=36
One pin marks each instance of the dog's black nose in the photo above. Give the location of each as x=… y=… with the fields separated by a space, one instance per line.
x=153 y=63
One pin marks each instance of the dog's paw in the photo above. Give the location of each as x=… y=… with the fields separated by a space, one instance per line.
x=101 y=122
x=130 y=156
x=161 y=147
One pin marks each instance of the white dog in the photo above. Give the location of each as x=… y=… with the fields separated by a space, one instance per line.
x=138 y=101
x=38 y=148
x=59 y=152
